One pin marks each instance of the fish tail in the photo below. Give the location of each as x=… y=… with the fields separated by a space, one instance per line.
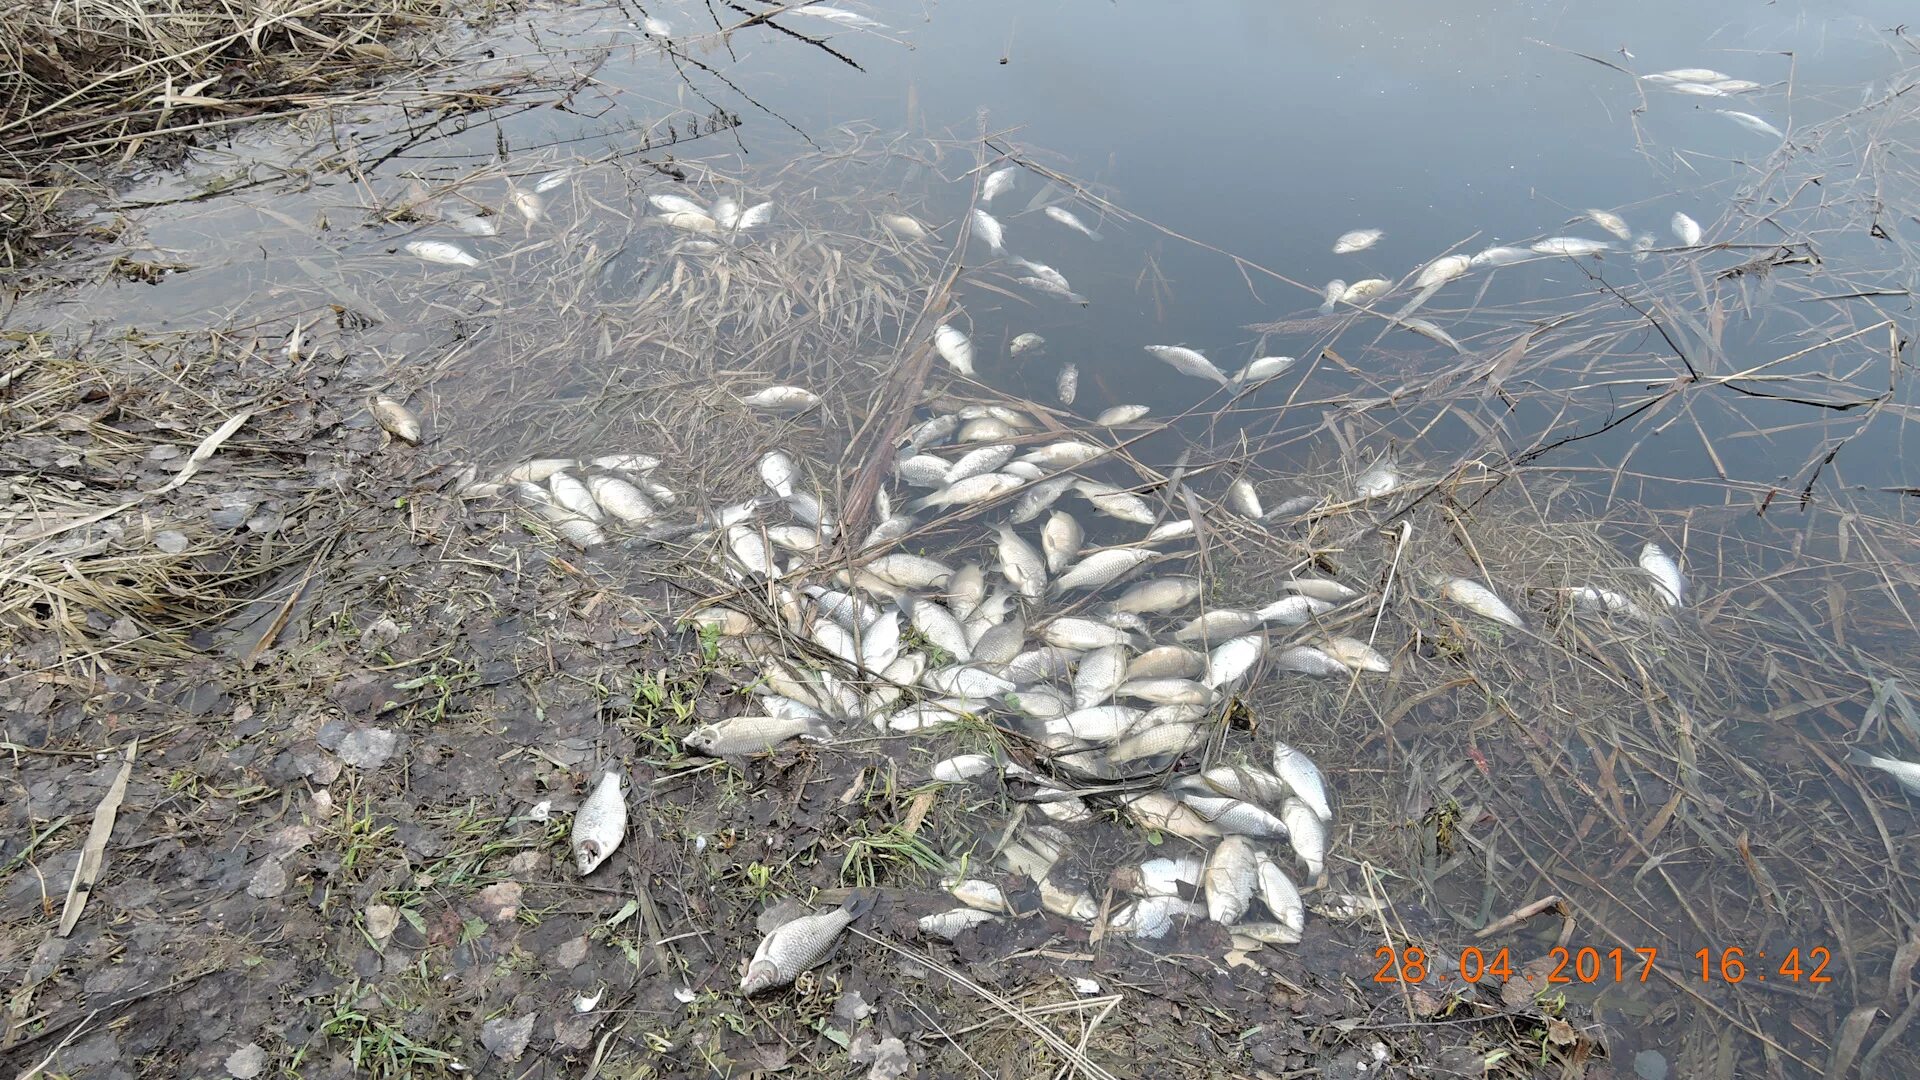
x=1857 y=756
x=1094 y=235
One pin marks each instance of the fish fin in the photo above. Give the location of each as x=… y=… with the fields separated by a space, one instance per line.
x=859 y=902
x=1857 y=756
x=1094 y=235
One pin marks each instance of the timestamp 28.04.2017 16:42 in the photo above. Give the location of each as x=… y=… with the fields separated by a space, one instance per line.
x=1619 y=965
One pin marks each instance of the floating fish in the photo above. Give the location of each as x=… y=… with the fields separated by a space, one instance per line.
x=1066 y=217
x=1685 y=229
x=1167 y=662
x=1356 y=654
x=1266 y=367
x=1701 y=75
x=397 y=420
x=1611 y=222
x=1187 y=362
x=954 y=348
x=1066 y=385
x=1697 y=89
x=653 y=27
x=998 y=182
x=1060 y=540
x=621 y=499
x=904 y=227
x=1666 y=573
x=1592 y=601
x=1753 y=123
x=1217 y=625
x=839 y=15
x=1357 y=240
x=599 y=825
x=1904 y=773
x=531 y=206
x=972 y=490
x=778 y=471
x=1331 y=294
x=1121 y=414
x=1233 y=659
x=1379 y=480
x=1159 y=596
x=1481 y=600
x=1573 y=246
x=782 y=399
x=754 y=216
x=1026 y=343
x=1293 y=610
x=909 y=571
x=1077 y=633
x=1442 y=270
x=1022 y=565
x=1365 y=291
x=439 y=251
x=1736 y=86
x=1501 y=256
x=470 y=223
x=989 y=230
x=1103 y=568
x=676 y=204
x=802 y=943
x=690 y=221
x=1244 y=499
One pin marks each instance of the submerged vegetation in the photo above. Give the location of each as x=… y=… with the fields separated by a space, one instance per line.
x=323 y=557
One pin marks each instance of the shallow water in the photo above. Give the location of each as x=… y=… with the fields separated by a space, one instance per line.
x=1241 y=129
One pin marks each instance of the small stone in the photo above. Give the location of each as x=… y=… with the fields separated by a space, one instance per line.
x=247 y=1062
x=368 y=748
x=315 y=763
x=507 y=1039
x=170 y=541
x=289 y=838
x=527 y=863
x=569 y=954
x=498 y=902
x=573 y=1032
x=1650 y=1065
x=890 y=1061
x=382 y=921
x=269 y=881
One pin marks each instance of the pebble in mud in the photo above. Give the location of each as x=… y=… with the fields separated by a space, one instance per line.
x=506 y=1038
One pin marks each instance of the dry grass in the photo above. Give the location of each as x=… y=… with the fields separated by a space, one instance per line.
x=92 y=82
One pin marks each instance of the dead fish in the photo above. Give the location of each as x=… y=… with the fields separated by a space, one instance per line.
x=778 y=472
x=967 y=591
x=791 y=399
x=1263 y=368
x=1244 y=499
x=1095 y=723
x=1571 y=246
x=1666 y=573
x=1255 y=935
x=1053 y=288
x=904 y=227
x=954 y=348
x=1702 y=75
x=439 y=251
x=627 y=463
x=1067 y=902
x=1161 y=812
x=1152 y=917
x=1697 y=89
x=1736 y=86
x=1482 y=601
x=1066 y=385
x=839 y=15
x=1023 y=567
x=1101 y=672
x=909 y=571
x=967 y=682
x=1060 y=540
x=1114 y=502
x=1591 y=601
x=1217 y=625
x=1236 y=817
x=964 y=767
x=599 y=825
x=1303 y=777
x=1187 y=362
x=1278 y=893
x=1357 y=240
x=948 y=925
x=1753 y=123
x=691 y=221
x=1427 y=329
x=1321 y=589
x=1103 y=568
x=998 y=182
x=742 y=735
x=750 y=549
x=985 y=429
x=798 y=945
x=971 y=490
x=1356 y=654
x=1442 y=270
x=1229 y=879
x=1685 y=229
x=1611 y=222
x=1232 y=659
x=1121 y=414
x=1642 y=246
x=1248 y=783
x=1037 y=498
x=922 y=470
x=723 y=621
x=1348 y=906
x=470 y=223
x=531 y=206
x=1363 y=292
x=754 y=216
x=1167 y=662
x=1904 y=773
x=1500 y=255
x=1331 y=294
x=1165 y=691
x=575 y=496
x=552 y=180
x=1174 y=876
x=1307 y=660
x=574 y=529
x=1158 y=596
x=1026 y=343
x=1292 y=610
x=989 y=230
x=1070 y=220
x=395 y=418
x=1379 y=480
x=1077 y=633
x=979 y=462
x=1308 y=835
x=676 y=204
x=621 y=499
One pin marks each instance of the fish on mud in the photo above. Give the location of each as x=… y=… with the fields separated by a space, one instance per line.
x=621 y=499
x=948 y=925
x=1278 y=892
x=1162 y=812
x=954 y=348
x=1666 y=573
x=796 y=946
x=575 y=496
x=1298 y=772
x=988 y=229
x=396 y=419
x=439 y=251
x=599 y=825
x=1229 y=879
x=1308 y=835
x=1187 y=362
x=741 y=735
x=1070 y=220
x=1293 y=610
x=1357 y=240
x=1159 y=596
x=1152 y=917
x=778 y=472
x=1236 y=817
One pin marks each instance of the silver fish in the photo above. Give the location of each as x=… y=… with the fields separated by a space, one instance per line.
x=782 y=399
x=531 y=206
x=1442 y=270
x=904 y=227
x=396 y=419
x=1066 y=385
x=696 y=222
x=922 y=470
x=1308 y=835
x=1149 y=740
x=1187 y=362
x=1611 y=222
x=621 y=499
x=1357 y=240
x=1060 y=540
x=470 y=223
x=1076 y=633
x=1151 y=917
x=1026 y=343
x=741 y=735
x=1171 y=530
x=1307 y=660
x=1363 y=292
x=1330 y=295
x=1248 y=783
x=676 y=204
x=1904 y=773
x=1115 y=503
x=1702 y=75
x=1217 y=625
x=439 y=251
x=1571 y=246
x=1320 y=589
x=1041 y=702
x=626 y=463
x=800 y=944
x=1278 y=893
x=1037 y=498
x=1379 y=480
x=880 y=643
x=979 y=462
x=1001 y=643
x=1685 y=229
x=1736 y=86
x=932 y=432
x=1591 y=601
x=1266 y=367
x=1666 y=573
x=1034 y=665
x=1053 y=288
x=988 y=229
x=1070 y=220
x=1068 y=903
x=1753 y=123
x=1293 y=610
x=1236 y=817
x=954 y=348
x=998 y=182
x=1161 y=812
x=751 y=550
x=1159 y=596
x=599 y=825
x=1697 y=89
x=939 y=626
x=1104 y=567
x=1101 y=672
x=889 y=530
x=1095 y=723
x=1232 y=659
x=909 y=571
x=778 y=471
x=1229 y=879
x=575 y=496
x=1481 y=600
x=1300 y=774
x=1165 y=691
x=1643 y=246
x=1244 y=499
x=1500 y=255
x=967 y=682
x=753 y=217
x=1356 y=654
x=971 y=490
x=1121 y=414
x=948 y=925
x=1167 y=662
x=985 y=429
x=1023 y=567
x=964 y=767
x=966 y=591
x=1175 y=876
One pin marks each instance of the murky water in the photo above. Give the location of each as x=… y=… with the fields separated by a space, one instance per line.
x=1744 y=399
